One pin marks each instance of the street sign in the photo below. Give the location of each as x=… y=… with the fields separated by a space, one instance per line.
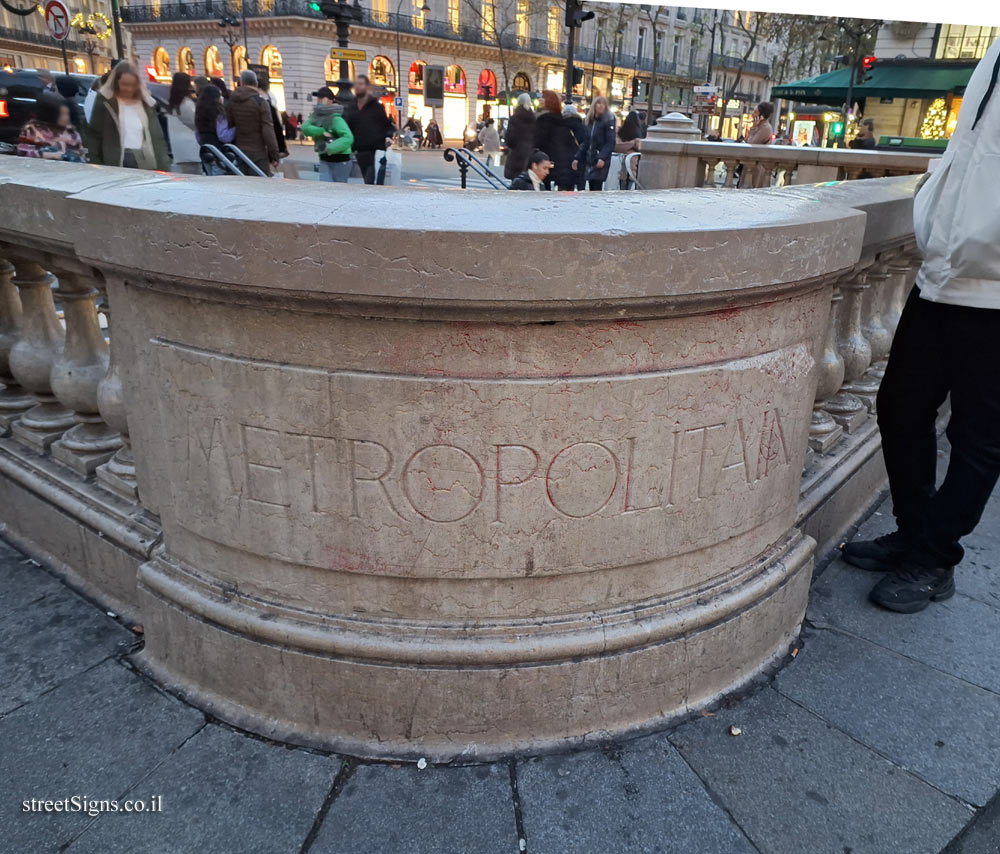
x=707 y=89
x=702 y=109
x=348 y=53
x=57 y=19
x=399 y=101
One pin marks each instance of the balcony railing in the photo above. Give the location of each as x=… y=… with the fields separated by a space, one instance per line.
x=43 y=39
x=736 y=62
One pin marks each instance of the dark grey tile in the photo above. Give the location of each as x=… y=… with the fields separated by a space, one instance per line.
x=386 y=810
x=797 y=784
x=47 y=633
x=94 y=736
x=637 y=799
x=221 y=792
x=958 y=636
x=940 y=727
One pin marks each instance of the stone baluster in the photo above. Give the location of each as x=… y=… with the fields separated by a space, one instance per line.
x=873 y=327
x=13 y=399
x=118 y=473
x=847 y=409
x=897 y=290
x=731 y=166
x=34 y=354
x=824 y=432
x=858 y=381
x=77 y=372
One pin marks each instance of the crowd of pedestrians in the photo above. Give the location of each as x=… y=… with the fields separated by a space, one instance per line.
x=577 y=150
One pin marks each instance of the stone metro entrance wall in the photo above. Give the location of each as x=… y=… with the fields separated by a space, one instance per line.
x=473 y=489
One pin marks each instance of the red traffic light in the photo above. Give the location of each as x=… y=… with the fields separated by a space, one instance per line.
x=868 y=63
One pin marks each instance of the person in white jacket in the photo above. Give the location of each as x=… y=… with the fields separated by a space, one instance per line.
x=947 y=343
x=184 y=145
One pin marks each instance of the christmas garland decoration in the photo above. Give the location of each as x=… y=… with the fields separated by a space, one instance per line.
x=17 y=10
x=88 y=24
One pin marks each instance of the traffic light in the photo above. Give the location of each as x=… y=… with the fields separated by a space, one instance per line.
x=314 y=6
x=575 y=16
x=865 y=72
x=837 y=128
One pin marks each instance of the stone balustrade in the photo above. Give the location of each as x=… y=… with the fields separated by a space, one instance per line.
x=673 y=156
x=458 y=490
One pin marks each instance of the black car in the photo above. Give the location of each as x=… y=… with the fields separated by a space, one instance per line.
x=19 y=90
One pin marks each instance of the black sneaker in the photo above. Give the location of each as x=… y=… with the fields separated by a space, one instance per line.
x=883 y=554
x=913 y=589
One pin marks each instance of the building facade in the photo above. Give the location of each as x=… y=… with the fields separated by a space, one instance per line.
x=25 y=42
x=491 y=50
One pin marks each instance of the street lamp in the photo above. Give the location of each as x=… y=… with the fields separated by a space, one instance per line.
x=424 y=9
x=89 y=34
x=230 y=25
x=343 y=14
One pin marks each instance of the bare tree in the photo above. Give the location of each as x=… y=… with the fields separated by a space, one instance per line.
x=752 y=25
x=653 y=17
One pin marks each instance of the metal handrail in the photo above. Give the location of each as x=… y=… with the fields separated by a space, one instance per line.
x=633 y=174
x=467 y=159
x=246 y=161
x=485 y=171
x=219 y=158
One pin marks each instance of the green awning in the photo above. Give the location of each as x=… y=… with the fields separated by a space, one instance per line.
x=887 y=81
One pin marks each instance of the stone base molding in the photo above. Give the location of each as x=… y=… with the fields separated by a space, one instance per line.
x=404 y=690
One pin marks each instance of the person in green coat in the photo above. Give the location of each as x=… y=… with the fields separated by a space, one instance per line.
x=124 y=129
x=332 y=138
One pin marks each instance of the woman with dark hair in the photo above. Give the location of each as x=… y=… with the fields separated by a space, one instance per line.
x=50 y=135
x=554 y=135
x=220 y=84
x=181 y=125
x=629 y=134
x=69 y=88
x=212 y=124
x=595 y=154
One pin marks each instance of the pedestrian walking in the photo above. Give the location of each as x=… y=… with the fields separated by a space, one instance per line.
x=372 y=128
x=533 y=178
x=490 y=139
x=433 y=138
x=519 y=137
x=181 y=125
x=124 y=128
x=331 y=136
x=594 y=156
x=865 y=138
x=947 y=344
x=554 y=135
x=574 y=121
x=49 y=134
x=212 y=126
x=249 y=112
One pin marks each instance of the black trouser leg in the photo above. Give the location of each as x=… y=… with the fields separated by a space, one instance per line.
x=973 y=334
x=366 y=163
x=913 y=388
x=596 y=185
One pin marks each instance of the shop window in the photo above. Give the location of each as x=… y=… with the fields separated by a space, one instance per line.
x=185 y=61
x=161 y=62
x=382 y=73
x=417 y=76
x=522 y=82
x=454 y=80
x=213 y=62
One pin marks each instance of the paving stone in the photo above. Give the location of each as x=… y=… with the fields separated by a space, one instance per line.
x=940 y=727
x=958 y=636
x=221 y=792
x=978 y=575
x=94 y=736
x=642 y=797
x=47 y=633
x=386 y=810
x=982 y=836
x=796 y=784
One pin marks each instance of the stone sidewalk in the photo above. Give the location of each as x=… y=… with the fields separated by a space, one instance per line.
x=882 y=735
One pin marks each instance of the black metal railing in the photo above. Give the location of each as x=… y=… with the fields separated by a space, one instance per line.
x=735 y=62
x=44 y=39
x=202 y=10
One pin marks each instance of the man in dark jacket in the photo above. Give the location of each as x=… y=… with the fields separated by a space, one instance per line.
x=250 y=113
x=534 y=178
x=372 y=128
x=519 y=137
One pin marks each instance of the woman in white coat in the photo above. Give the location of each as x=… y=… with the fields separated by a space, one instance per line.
x=181 y=125
x=947 y=344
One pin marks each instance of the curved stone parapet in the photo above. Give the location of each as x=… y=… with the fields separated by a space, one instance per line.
x=456 y=475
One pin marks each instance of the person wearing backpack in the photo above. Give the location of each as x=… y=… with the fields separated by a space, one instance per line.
x=331 y=136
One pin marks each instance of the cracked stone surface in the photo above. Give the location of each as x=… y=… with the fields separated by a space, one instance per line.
x=874 y=739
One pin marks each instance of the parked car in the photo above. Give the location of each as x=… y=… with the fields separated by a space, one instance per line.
x=19 y=90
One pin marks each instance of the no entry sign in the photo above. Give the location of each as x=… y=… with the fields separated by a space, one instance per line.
x=57 y=19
